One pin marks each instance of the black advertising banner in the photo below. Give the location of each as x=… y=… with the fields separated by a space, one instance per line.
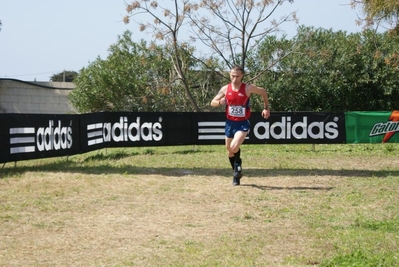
x=209 y=128
x=123 y=129
x=32 y=136
x=279 y=128
x=298 y=128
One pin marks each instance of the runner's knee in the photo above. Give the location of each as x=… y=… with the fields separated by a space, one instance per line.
x=234 y=147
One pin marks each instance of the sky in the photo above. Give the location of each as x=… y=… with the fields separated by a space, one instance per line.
x=45 y=37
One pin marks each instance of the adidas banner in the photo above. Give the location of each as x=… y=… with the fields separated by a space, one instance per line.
x=31 y=136
x=280 y=128
x=99 y=130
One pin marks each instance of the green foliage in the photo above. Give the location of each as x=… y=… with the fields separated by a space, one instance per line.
x=126 y=81
x=139 y=77
x=333 y=71
x=318 y=70
x=65 y=76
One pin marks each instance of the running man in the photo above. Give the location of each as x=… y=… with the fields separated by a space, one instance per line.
x=235 y=96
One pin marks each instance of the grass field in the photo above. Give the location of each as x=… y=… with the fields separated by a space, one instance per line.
x=334 y=205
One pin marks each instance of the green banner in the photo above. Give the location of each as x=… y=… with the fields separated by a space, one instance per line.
x=372 y=127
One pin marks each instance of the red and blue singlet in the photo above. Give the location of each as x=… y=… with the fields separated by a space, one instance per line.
x=237 y=104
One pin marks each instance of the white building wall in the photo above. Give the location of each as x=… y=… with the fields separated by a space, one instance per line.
x=35 y=97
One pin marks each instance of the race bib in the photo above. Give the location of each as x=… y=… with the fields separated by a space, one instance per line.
x=237 y=111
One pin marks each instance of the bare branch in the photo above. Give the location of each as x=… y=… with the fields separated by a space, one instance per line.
x=240 y=26
x=231 y=29
x=166 y=26
x=378 y=14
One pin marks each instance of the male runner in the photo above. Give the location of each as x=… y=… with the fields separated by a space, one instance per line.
x=236 y=96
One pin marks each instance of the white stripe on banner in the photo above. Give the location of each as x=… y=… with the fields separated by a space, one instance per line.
x=29 y=140
x=94 y=134
x=24 y=149
x=210 y=130
x=215 y=137
x=211 y=123
x=94 y=126
x=22 y=130
x=95 y=142
x=211 y=137
x=22 y=140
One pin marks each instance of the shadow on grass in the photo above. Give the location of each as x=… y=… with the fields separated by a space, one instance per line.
x=113 y=156
x=305 y=188
x=110 y=168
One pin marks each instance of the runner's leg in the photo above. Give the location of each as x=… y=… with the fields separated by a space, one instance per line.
x=235 y=144
x=230 y=154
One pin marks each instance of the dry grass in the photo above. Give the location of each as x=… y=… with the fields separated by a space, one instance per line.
x=177 y=207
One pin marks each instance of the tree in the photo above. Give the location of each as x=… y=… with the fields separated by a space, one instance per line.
x=130 y=79
x=65 y=76
x=236 y=28
x=377 y=11
x=138 y=77
x=230 y=45
x=166 y=27
x=334 y=71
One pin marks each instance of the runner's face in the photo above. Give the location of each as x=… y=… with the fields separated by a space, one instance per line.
x=235 y=76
